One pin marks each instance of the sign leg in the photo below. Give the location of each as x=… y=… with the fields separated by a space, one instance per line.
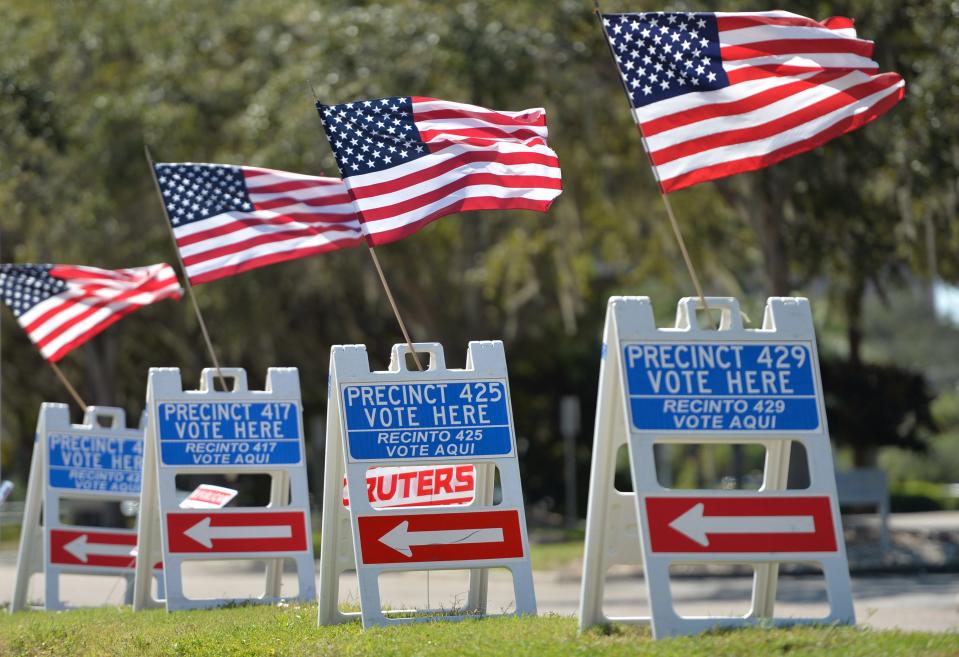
x=766 y=577
x=279 y=496
x=30 y=532
x=333 y=524
x=479 y=577
x=601 y=490
x=148 y=528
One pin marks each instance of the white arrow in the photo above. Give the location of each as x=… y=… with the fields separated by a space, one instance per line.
x=204 y=534
x=80 y=548
x=693 y=524
x=400 y=538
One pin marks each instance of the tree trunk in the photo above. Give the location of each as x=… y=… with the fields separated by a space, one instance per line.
x=775 y=256
x=863 y=454
x=769 y=226
x=763 y=209
x=100 y=363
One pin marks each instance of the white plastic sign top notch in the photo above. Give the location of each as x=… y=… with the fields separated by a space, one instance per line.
x=441 y=431
x=94 y=464
x=685 y=385
x=219 y=432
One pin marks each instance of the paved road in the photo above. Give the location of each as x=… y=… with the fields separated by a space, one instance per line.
x=919 y=602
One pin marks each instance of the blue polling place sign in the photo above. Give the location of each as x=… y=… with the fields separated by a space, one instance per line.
x=92 y=463
x=229 y=433
x=427 y=420
x=714 y=386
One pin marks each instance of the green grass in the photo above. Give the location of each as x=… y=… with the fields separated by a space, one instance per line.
x=908 y=496
x=292 y=631
x=9 y=538
x=550 y=556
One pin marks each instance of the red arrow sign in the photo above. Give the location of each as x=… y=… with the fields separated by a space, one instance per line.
x=753 y=524
x=423 y=538
x=258 y=531
x=98 y=549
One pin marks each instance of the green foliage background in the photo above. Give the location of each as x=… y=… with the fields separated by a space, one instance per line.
x=85 y=84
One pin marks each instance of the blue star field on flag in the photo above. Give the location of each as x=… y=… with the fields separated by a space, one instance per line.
x=194 y=192
x=663 y=55
x=372 y=135
x=24 y=286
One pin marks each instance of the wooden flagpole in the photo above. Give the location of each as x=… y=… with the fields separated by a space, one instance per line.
x=669 y=208
x=682 y=244
x=382 y=276
x=396 y=310
x=66 y=384
x=186 y=276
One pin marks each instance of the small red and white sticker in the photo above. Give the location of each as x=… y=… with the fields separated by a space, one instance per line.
x=416 y=486
x=258 y=531
x=755 y=524
x=96 y=549
x=434 y=537
x=208 y=496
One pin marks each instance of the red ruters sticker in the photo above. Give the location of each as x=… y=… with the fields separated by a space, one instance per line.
x=415 y=486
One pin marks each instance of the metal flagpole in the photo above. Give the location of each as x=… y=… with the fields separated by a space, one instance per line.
x=669 y=208
x=186 y=276
x=379 y=271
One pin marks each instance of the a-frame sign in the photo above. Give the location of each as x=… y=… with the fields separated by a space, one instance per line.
x=686 y=384
x=404 y=417
x=97 y=462
x=238 y=431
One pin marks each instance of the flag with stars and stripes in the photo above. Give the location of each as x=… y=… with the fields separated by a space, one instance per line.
x=230 y=219
x=62 y=306
x=409 y=160
x=715 y=94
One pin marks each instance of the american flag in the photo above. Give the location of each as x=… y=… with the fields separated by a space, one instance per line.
x=715 y=94
x=410 y=160
x=230 y=219
x=62 y=306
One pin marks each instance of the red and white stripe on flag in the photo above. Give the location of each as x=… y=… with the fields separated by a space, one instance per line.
x=479 y=159
x=266 y=217
x=62 y=306
x=793 y=84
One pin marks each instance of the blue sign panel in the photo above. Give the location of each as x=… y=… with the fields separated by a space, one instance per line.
x=92 y=463
x=229 y=433
x=427 y=420
x=721 y=387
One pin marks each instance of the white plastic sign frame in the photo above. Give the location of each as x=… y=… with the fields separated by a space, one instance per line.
x=474 y=537
x=235 y=431
x=746 y=386
x=99 y=460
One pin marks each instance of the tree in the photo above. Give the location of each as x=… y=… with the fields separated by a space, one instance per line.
x=85 y=86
